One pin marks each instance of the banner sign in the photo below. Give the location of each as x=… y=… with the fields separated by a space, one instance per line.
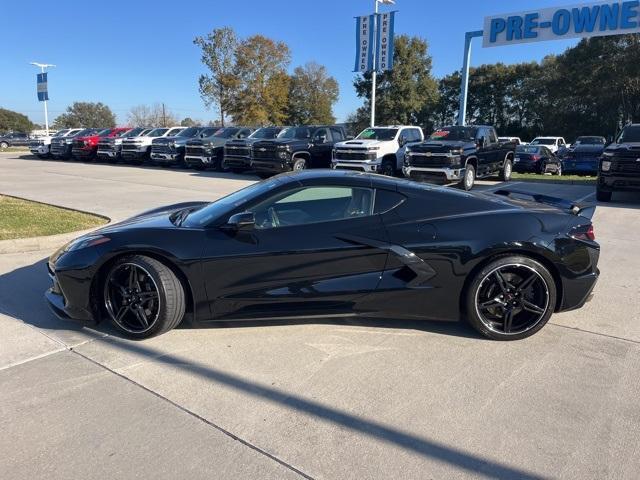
x=594 y=19
x=384 y=41
x=43 y=94
x=364 y=43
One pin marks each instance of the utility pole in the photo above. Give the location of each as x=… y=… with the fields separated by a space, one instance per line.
x=42 y=66
x=164 y=118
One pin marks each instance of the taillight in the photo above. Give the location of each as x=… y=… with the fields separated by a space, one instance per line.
x=584 y=232
x=535 y=158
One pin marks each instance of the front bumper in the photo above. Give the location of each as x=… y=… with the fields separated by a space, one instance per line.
x=355 y=165
x=83 y=152
x=435 y=175
x=61 y=152
x=236 y=162
x=270 y=166
x=165 y=157
x=40 y=150
x=61 y=306
x=134 y=154
x=618 y=183
x=107 y=154
x=194 y=161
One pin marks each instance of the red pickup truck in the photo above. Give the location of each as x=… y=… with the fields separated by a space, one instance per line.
x=86 y=147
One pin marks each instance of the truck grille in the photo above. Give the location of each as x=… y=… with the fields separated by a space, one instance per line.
x=265 y=152
x=129 y=146
x=161 y=148
x=237 y=151
x=78 y=144
x=107 y=147
x=433 y=161
x=194 y=150
x=354 y=154
x=626 y=166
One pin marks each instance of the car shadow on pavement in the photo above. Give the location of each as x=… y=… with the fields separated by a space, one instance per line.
x=21 y=297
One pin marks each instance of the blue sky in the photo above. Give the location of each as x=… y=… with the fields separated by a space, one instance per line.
x=139 y=52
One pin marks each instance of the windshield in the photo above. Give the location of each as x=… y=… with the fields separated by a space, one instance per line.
x=265 y=132
x=174 y=131
x=104 y=133
x=132 y=133
x=226 y=132
x=527 y=149
x=384 y=134
x=215 y=210
x=189 y=132
x=296 y=132
x=544 y=141
x=61 y=133
x=590 y=141
x=455 y=133
x=630 y=135
x=157 y=132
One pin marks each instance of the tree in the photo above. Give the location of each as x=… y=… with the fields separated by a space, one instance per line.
x=189 y=122
x=14 y=121
x=408 y=94
x=312 y=95
x=219 y=55
x=262 y=91
x=86 y=115
x=151 y=116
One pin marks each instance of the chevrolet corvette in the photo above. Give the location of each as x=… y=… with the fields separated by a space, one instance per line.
x=333 y=244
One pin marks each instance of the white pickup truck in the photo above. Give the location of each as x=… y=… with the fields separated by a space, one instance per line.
x=376 y=149
x=41 y=147
x=137 y=149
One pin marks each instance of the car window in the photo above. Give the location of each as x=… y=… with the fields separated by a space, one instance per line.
x=321 y=132
x=337 y=135
x=387 y=200
x=493 y=138
x=313 y=205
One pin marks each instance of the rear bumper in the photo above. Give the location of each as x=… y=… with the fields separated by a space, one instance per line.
x=580 y=166
x=435 y=175
x=618 y=183
x=578 y=291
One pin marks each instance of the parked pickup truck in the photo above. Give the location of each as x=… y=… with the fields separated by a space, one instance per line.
x=377 y=149
x=460 y=154
x=619 y=168
x=138 y=149
x=41 y=147
x=298 y=148
x=208 y=150
x=85 y=147
x=237 y=152
x=61 y=147
x=110 y=148
x=168 y=151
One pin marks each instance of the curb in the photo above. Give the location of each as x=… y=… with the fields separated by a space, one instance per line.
x=48 y=242
x=556 y=182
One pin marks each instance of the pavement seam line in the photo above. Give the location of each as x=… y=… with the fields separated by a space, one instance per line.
x=31 y=359
x=246 y=443
x=613 y=337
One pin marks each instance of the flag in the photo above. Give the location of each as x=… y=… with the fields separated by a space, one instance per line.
x=43 y=93
x=364 y=43
x=384 y=41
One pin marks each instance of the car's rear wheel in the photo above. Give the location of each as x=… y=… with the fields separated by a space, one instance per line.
x=511 y=298
x=143 y=297
x=4 y=145
x=559 y=170
x=507 y=170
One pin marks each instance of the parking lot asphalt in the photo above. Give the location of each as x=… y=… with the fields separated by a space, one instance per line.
x=341 y=399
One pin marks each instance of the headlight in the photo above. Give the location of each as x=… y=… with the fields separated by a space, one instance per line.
x=69 y=141
x=373 y=149
x=283 y=154
x=456 y=152
x=84 y=242
x=606 y=165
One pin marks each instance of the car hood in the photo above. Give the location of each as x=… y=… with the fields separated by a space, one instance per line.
x=283 y=142
x=361 y=143
x=209 y=141
x=156 y=218
x=441 y=146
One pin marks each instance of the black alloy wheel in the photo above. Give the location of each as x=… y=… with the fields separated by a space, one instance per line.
x=387 y=168
x=512 y=298
x=143 y=297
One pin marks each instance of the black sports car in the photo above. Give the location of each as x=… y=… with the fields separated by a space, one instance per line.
x=334 y=244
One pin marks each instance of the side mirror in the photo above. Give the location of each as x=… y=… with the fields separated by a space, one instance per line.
x=242 y=221
x=350 y=137
x=480 y=142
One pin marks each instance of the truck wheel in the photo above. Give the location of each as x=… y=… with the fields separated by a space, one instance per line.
x=4 y=145
x=507 y=169
x=469 y=178
x=559 y=170
x=299 y=164
x=603 y=195
x=387 y=169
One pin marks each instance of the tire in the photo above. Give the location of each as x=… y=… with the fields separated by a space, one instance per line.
x=543 y=168
x=559 y=171
x=165 y=313
x=299 y=164
x=4 y=145
x=387 y=169
x=507 y=170
x=469 y=178
x=487 y=308
x=603 y=195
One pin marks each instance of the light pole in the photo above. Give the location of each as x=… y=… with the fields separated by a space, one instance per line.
x=46 y=113
x=374 y=74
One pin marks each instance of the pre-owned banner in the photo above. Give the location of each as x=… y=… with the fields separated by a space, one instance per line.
x=384 y=43
x=364 y=43
x=43 y=93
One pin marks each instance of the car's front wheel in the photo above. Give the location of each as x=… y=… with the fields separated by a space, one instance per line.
x=4 y=145
x=469 y=178
x=143 y=297
x=511 y=298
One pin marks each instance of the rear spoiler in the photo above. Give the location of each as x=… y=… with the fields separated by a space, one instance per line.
x=566 y=205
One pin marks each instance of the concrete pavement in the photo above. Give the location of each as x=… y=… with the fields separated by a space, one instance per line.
x=348 y=399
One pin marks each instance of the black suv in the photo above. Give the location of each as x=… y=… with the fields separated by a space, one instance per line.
x=237 y=153
x=460 y=154
x=167 y=151
x=298 y=148
x=207 y=150
x=14 y=139
x=619 y=167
